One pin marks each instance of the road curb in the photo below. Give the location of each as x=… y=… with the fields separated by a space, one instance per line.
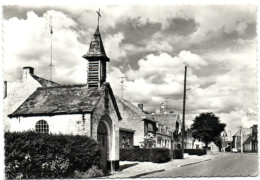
x=194 y=163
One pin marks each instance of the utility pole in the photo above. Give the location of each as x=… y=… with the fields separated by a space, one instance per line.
x=183 y=111
x=241 y=131
x=230 y=137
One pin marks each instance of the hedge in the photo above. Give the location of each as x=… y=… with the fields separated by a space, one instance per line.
x=160 y=155
x=36 y=155
x=177 y=154
x=156 y=155
x=198 y=152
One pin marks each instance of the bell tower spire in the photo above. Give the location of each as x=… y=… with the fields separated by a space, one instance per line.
x=97 y=58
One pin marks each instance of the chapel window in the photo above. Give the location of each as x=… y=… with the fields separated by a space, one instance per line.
x=42 y=127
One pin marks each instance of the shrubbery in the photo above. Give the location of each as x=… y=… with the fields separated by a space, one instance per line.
x=33 y=155
x=157 y=155
x=177 y=154
x=135 y=154
x=160 y=155
x=198 y=152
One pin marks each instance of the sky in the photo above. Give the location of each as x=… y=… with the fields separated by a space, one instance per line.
x=149 y=45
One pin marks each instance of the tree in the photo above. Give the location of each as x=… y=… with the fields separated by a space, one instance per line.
x=207 y=127
x=149 y=141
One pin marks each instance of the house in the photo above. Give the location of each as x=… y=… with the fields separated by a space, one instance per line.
x=251 y=143
x=14 y=96
x=254 y=138
x=89 y=109
x=198 y=144
x=135 y=124
x=167 y=125
x=213 y=147
x=236 y=143
x=188 y=139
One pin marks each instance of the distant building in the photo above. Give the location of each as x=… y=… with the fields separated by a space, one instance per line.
x=167 y=125
x=213 y=147
x=136 y=124
x=251 y=143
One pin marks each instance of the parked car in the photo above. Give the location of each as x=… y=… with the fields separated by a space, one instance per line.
x=234 y=150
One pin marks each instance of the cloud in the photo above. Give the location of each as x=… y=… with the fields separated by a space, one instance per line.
x=217 y=42
x=30 y=46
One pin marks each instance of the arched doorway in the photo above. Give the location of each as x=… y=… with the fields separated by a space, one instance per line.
x=102 y=137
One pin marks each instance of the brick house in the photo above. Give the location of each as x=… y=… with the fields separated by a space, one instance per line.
x=135 y=124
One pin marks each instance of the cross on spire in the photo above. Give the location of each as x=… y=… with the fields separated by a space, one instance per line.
x=99 y=15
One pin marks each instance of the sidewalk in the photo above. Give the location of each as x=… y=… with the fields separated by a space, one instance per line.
x=132 y=169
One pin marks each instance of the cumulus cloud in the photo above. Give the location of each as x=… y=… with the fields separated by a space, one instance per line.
x=218 y=43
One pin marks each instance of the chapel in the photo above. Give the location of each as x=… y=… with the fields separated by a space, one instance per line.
x=89 y=109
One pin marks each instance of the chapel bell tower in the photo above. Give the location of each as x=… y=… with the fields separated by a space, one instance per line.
x=97 y=58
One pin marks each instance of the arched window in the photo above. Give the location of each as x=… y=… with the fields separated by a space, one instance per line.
x=42 y=127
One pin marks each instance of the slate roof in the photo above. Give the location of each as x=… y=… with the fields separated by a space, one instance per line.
x=96 y=48
x=248 y=140
x=44 y=82
x=127 y=105
x=62 y=100
x=166 y=119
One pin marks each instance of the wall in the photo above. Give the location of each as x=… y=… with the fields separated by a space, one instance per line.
x=65 y=124
x=133 y=121
x=17 y=95
x=108 y=114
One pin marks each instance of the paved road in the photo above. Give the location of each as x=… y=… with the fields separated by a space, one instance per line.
x=228 y=165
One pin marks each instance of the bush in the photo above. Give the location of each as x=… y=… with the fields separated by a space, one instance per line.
x=135 y=154
x=160 y=155
x=201 y=152
x=177 y=154
x=93 y=172
x=198 y=152
x=157 y=155
x=34 y=155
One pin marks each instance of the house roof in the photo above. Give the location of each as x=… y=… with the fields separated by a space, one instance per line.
x=63 y=100
x=166 y=119
x=127 y=105
x=96 y=48
x=248 y=140
x=44 y=82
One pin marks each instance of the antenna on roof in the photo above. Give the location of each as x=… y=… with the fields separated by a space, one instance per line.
x=51 y=32
x=50 y=27
x=122 y=86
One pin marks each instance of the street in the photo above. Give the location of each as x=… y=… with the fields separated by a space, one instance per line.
x=227 y=165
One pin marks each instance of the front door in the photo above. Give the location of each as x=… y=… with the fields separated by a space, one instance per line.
x=102 y=137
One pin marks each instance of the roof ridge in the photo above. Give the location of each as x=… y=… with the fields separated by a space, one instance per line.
x=65 y=86
x=35 y=77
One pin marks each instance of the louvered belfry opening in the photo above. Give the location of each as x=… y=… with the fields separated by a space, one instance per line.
x=97 y=61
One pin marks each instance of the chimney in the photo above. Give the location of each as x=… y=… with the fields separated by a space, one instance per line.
x=5 y=90
x=141 y=106
x=162 y=109
x=26 y=71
